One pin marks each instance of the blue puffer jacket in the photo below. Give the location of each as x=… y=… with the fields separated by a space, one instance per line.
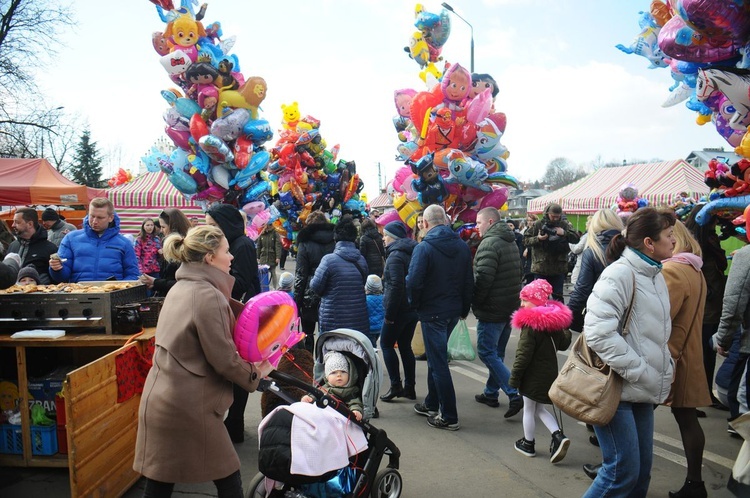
x=340 y=283
x=94 y=258
x=375 y=312
x=395 y=302
x=440 y=282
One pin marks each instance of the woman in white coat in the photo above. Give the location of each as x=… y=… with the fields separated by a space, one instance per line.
x=641 y=357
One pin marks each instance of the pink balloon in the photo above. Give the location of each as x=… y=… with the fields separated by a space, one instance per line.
x=181 y=138
x=496 y=198
x=706 y=51
x=387 y=217
x=253 y=208
x=468 y=216
x=267 y=327
x=479 y=107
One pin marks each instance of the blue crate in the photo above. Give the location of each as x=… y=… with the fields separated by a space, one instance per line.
x=43 y=440
x=265 y=277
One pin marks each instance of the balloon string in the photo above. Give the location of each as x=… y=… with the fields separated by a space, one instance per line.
x=290 y=356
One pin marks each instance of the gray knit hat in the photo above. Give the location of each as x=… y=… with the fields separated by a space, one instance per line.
x=336 y=361
x=374 y=285
x=286 y=281
x=395 y=229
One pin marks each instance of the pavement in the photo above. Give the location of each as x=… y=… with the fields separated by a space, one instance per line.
x=478 y=460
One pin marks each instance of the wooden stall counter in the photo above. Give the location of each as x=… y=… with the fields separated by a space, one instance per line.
x=100 y=430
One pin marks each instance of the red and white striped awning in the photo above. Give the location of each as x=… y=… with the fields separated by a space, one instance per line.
x=145 y=197
x=659 y=183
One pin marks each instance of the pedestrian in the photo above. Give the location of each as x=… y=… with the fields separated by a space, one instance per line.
x=374 y=296
x=603 y=225
x=314 y=241
x=544 y=331
x=268 y=246
x=28 y=276
x=171 y=220
x=372 y=248
x=341 y=381
x=56 y=227
x=687 y=298
x=340 y=282
x=399 y=317
x=147 y=247
x=31 y=242
x=286 y=283
x=550 y=239
x=497 y=282
x=194 y=360
x=526 y=274
x=440 y=285
x=419 y=232
x=97 y=252
x=641 y=357
x=714 y=270
x=244 y=269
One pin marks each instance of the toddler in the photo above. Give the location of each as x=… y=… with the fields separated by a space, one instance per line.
x=286 y=283
x=374 y=296
x=28 y=276
x=341 y=383
x=544 y=331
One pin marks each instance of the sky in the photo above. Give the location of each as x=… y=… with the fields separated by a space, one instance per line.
x=565 y=88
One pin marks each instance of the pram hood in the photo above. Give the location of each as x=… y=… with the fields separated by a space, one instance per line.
x=358 y=345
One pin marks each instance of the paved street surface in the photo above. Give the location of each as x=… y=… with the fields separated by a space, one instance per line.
x=478 y=460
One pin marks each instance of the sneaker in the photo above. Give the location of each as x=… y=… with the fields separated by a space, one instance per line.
x=525 y=447
x=558 y=447
x=422 y=409
x=486 y=400
x=438 y=422
x=514 y=406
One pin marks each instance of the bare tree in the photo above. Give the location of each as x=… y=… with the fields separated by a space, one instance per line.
x=29 y=30
x=560 y=172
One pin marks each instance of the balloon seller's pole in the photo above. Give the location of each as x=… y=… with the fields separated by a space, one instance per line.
x=448 y=7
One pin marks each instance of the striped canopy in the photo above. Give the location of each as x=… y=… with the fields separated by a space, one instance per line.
x=659 y=183
x=145 y=197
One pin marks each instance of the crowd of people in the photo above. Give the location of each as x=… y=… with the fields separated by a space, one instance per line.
x=666 y=277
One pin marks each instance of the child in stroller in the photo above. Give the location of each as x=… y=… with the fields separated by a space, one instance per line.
x=323 y=449
x=340 y=383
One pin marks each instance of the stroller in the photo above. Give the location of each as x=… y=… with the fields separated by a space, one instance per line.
x=361 y=477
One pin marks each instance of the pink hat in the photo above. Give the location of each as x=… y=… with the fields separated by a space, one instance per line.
x=537 y=292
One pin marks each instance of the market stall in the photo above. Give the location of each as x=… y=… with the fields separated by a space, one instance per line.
x=145 y=197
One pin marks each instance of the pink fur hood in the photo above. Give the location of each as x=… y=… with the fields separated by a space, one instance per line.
x=549 y=317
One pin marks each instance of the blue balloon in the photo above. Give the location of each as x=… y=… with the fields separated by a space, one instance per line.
x=183 y=182
x=256 y=192
x=258 y=130
x=258 y=162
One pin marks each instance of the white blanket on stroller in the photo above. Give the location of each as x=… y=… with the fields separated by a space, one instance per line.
x=322 y=439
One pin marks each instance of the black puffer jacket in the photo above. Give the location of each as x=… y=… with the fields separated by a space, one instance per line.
x=591 y=268
x=395 y=303
x=167 y=278
x=314 y=241
x=497 y=275
x=36 y=253
x=372 y=248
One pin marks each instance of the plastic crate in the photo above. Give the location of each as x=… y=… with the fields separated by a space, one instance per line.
x=43 y=440
x=62 y=440
x=150 y=309
x=265 y=277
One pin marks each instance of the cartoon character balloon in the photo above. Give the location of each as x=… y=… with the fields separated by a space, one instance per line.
x=267 y=327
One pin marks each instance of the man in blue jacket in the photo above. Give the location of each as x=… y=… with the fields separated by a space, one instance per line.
x=440 y=285
x=98 y=252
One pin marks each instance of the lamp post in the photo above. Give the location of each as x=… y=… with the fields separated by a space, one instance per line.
x=448 y=7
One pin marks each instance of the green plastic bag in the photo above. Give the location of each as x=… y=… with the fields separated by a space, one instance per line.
x=459 y=343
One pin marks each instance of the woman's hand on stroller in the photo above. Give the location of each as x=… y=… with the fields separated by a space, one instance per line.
x=307 y=399
x=263 y=368
x=357 y=415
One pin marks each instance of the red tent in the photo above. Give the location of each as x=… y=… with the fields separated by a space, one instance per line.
x=36 y=181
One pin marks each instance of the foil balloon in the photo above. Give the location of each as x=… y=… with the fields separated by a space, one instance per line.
x=267 y=328
x=734 y=84
x=496 y=199
x=722 y=22
x=230 y=125
x=680 y=41
x=258 y=130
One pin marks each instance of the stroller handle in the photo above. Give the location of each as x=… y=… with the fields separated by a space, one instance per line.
x=322 y=398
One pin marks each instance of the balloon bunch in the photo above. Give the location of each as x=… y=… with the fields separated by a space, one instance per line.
x=212 y=114
x=628 y=201
x=706 y=46
x=120 y=178
x=303 y=176
x=450 y=138
x=426 y=44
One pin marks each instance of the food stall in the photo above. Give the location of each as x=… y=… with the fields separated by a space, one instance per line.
x=96 y=420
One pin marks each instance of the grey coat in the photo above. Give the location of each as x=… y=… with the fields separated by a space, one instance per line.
x=58 y=231
x=736 y=309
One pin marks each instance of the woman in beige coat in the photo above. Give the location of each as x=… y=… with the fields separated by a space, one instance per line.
x=181 y=435
x=687 y=297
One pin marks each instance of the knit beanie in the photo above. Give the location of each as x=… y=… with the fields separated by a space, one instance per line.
x=374 y=285
x=29 y=271
x=336 y=361
x=286 y=281
x=395 y=230
x=50 y=214
x=537 y=292
x=345 y=230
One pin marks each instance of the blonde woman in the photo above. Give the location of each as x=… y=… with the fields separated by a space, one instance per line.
x=602 y=226
x=194 y=360
x=687 y=298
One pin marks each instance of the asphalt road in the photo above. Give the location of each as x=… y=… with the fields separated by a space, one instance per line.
x=478 y=460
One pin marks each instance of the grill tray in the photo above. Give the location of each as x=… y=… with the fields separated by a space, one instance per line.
x=94 y=312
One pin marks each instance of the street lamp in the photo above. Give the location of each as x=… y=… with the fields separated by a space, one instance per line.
x=448 y=7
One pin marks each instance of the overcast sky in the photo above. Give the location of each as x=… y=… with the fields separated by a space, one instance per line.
x=566 y=90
